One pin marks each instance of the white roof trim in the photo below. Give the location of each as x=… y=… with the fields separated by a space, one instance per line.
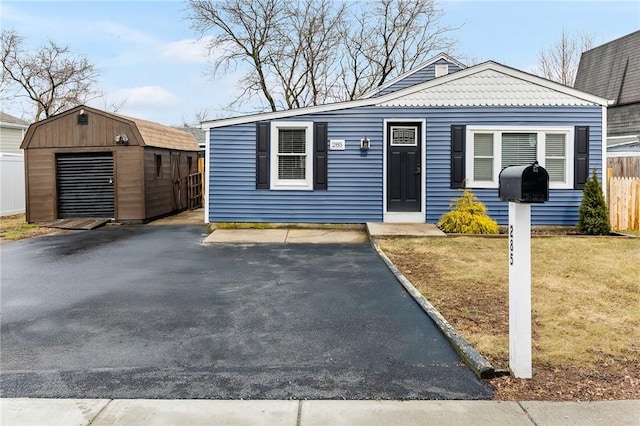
x=401 y=77
x=266 y=116
x=397 y=96
x=8 y=125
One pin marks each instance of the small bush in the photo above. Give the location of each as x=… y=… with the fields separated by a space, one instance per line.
x=593 y=216
x=468 y=217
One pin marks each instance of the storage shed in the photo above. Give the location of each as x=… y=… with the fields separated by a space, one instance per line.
x=88 y=163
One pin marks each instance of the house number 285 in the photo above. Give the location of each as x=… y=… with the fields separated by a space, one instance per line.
x=510 y=244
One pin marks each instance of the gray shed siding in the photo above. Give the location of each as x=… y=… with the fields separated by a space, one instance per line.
x=355 y=193
x=426 y=74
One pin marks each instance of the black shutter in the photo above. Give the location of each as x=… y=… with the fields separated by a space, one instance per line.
x=457 y=156
x=581 y=165
x=263 y=142
x=320 y=136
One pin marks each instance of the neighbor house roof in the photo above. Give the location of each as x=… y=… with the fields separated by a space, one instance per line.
x=612 y=70
x=197 y=132
x=11 y=121
x=486 y=84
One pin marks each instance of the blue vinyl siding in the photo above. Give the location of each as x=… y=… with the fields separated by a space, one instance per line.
x=426 y=74
x=562 y=208
x=355 y=179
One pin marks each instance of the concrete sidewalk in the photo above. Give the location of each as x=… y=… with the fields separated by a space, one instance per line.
x=105 y=412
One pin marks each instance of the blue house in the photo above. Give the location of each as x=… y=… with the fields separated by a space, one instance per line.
x=403 y=152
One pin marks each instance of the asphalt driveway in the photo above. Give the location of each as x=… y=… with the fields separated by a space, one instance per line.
x=149 y=312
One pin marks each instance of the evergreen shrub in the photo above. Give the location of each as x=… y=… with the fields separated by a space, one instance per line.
x=593 y=215
x=468 y=217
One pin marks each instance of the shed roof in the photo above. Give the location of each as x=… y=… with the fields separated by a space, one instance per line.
x=152 y=134
x=612 y=70
x=161 y=136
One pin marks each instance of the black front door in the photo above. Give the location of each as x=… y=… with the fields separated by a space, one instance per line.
x=404 y=168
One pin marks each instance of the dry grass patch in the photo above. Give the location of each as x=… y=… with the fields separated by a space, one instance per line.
x=585 y=301
x=16 y=228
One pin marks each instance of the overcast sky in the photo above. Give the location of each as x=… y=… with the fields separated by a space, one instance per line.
x=148 y=55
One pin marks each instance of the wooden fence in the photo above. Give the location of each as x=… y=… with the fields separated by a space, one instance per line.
x=624 y=203
x=194 y=191
x=628 y=166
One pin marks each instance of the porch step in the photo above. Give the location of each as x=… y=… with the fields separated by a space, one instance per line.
x=404 y=230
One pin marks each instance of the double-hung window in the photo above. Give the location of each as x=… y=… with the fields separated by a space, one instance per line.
x=491 y=149
x=292 y=155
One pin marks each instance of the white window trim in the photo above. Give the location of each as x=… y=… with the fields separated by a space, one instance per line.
x=497 y=152
x=305 y=184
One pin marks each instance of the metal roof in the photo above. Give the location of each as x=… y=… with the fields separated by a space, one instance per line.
x=486 y=84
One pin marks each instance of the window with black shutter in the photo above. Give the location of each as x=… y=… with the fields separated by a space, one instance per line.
x=581 y=167
x=291 y=155
x=457 y=156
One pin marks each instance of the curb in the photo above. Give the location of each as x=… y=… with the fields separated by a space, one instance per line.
x=478 y=364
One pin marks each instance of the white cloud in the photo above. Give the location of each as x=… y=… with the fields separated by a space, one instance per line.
x=145 y=95
x=188 y=50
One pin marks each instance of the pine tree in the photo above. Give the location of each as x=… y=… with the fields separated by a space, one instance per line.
x=593 y=213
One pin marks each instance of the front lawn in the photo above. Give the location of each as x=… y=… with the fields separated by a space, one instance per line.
x=585 y=301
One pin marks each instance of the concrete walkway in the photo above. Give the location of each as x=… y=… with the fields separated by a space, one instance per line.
x=321 y=236
x=105 y=412
x=312 y=236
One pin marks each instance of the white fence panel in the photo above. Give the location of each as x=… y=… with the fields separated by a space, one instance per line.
x=12 y=195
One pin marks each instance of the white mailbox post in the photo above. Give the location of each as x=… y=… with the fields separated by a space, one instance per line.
x=521 y=186
x=520 y=290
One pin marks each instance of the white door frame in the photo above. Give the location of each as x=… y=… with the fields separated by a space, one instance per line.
x=405 y=217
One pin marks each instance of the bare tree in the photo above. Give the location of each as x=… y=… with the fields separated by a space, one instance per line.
x=306 y=58
x=243 y=33
x=310 y=52
x=389 y=40
x=52 y=77
x=560 y=61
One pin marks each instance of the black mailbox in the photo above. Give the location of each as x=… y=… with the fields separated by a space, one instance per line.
x=524 y=184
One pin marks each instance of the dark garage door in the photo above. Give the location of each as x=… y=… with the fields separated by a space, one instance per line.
x=85 y=185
